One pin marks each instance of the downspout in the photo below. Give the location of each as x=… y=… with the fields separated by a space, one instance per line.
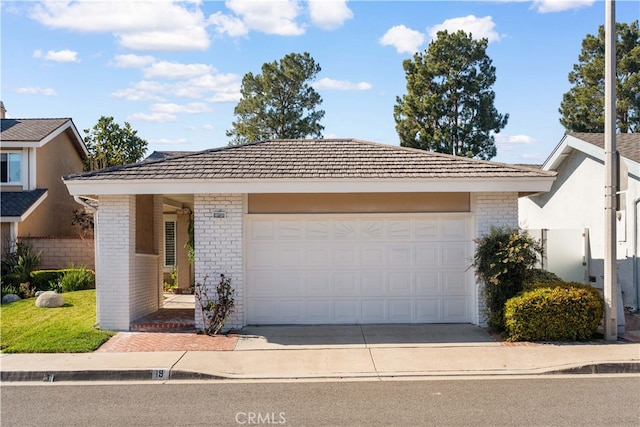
x=93 y=209
x=635 y=252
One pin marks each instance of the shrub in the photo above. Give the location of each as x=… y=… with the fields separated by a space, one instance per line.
x=16 y=266
x=45 y=280
x=554 y=312
x=77 y=279
x=539 y=276
x=503 y=262
x=215 y=312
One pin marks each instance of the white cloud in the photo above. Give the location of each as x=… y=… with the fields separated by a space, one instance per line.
x=36 y=90
x=144 y=90
x=329 y=14
x=154 y=117
x=175 y=70
x=267 y=16
x=207 y=127
x=170 y=108
x=478 y=27
x=223 y=87
x=404 y=39
x=230 y=25
x=511 y=143
x=165 y=141
x=57 y=55
x=149 y=25
x=133 y=61
x=547 y=6
x=327 y=83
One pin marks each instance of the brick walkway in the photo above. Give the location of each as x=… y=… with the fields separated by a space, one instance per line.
x=167 y=341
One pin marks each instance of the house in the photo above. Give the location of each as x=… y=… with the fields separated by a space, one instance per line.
x=571 y=214
x=35 y=203
x=328 y=231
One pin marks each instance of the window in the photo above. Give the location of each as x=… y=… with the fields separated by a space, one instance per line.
x=11 y=168
x=169 y=243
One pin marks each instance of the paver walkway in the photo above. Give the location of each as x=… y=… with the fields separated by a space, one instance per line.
x=165 y=341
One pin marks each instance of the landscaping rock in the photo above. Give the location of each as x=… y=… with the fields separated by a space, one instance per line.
x=49 y=299
x=10 y=298
x=38 y=293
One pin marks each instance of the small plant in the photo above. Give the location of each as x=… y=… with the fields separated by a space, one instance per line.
x=503 y=262
x=18 y=265
x=215 y=312
x=77 y=279
x=539 y=276
x=84 y=220
x=26 y=291
x=9 y=289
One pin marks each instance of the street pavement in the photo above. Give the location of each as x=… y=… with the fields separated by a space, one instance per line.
x=329 y=352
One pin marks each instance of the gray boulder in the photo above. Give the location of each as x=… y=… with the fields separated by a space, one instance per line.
x=10 y=298
x=49 y=299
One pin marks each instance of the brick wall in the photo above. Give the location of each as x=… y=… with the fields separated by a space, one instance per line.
x=218 y=224
x=63 y=252
x=492 y=210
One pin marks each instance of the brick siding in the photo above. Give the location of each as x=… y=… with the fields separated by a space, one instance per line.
x=218 y=229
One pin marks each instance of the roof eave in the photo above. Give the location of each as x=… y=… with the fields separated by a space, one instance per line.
x=79 y=187
x=29 y=211
x=81 y=148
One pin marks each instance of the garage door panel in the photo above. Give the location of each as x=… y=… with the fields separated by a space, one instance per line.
x=346 y=283
x=454 y=309
x=373 y=310
x=428 y=283
x=373 y=283
x=318 y=284
x=454 y=255
x=454 y=283
x=398 y=256
x=373 y=256
x=400 y=310
x=428 y=310
x=400 y=283
x=319 y=310
x=426 y=255
x=361 y=269
x=346 y=310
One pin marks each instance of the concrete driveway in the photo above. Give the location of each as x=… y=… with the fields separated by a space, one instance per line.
x=361 y=336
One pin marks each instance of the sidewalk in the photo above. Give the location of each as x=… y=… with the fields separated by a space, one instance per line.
x=374 y=351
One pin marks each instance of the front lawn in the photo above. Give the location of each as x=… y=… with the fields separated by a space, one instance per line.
x=25 y=328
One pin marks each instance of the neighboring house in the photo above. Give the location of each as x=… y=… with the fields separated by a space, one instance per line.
x=571 y=215
x=36 y=204
x=309 y=231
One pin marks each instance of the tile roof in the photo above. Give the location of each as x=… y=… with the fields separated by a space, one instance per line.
x=627 y=144
x=157 y=155
x=312 y=159
x=16 y=203
x=32 y=130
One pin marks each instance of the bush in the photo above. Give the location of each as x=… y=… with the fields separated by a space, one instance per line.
x=539 y=276
x=45 y=280
x=554 y=312
x=503 y=261
x=77 y=279
x=16 y=266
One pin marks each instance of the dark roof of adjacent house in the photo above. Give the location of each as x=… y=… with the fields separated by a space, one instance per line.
x=312 y=159
x=16 y=203
x=158 y=155
x=36 y=130
x=627 y=144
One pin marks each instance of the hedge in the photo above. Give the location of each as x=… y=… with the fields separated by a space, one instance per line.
x=42 y=280
x=554 y=312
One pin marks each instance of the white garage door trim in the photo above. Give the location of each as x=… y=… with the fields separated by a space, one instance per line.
x=358 y=268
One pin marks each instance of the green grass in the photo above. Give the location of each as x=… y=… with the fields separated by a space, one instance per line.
x=25 y=328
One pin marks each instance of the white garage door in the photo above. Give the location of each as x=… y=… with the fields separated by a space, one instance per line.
x=319 y=269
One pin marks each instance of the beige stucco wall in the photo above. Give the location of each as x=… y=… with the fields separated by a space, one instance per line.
x=358 y=203
x=145 y=230
x=53 y=217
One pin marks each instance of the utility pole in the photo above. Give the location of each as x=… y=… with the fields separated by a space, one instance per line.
x=611 y=176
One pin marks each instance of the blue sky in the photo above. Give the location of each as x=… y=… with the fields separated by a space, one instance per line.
x=173 y=68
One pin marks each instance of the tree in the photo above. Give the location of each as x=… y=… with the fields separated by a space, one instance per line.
x=111 y=145
x=279 y=103
x=582 y=107
x=449 y=105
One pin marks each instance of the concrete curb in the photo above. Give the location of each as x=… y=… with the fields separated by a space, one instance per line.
x=167 y=375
